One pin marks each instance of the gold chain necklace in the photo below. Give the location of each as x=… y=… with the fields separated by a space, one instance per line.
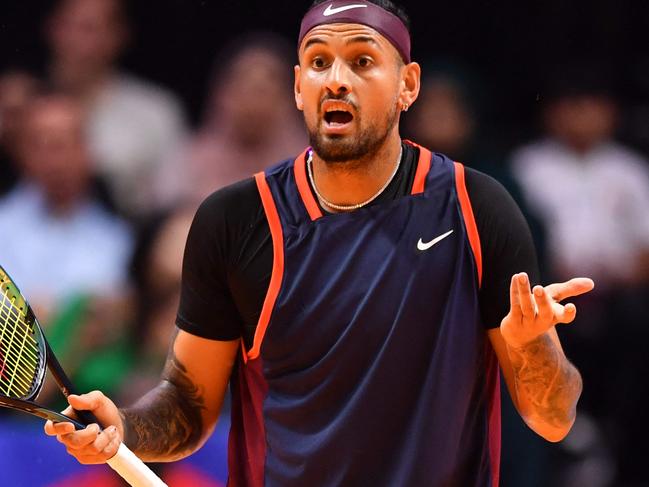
x=357 y=205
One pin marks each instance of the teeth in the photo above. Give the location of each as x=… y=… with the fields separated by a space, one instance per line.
x=335 y=107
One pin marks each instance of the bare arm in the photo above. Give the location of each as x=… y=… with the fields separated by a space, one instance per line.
x=172 y=420
x=544 y=385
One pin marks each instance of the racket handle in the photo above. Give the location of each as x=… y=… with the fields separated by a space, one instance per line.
x=133 y=470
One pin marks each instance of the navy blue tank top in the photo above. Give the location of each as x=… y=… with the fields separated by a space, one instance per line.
x=370 y=364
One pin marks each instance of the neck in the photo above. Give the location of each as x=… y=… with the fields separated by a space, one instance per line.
x=61 y=205
x=81 y=83
x=354 y=182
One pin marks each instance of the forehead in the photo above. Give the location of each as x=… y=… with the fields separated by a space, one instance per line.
x=94 y=9
x=342 y=34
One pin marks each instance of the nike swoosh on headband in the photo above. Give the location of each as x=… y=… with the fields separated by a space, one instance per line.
x=332 y=11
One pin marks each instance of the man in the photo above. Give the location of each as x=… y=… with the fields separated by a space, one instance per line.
x=358 y=266
x=578 y=161
x=133 y=124
x=71 y=254
x=249 y=119
x=66 y=234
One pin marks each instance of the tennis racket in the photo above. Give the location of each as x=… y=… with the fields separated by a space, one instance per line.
x=25 y=356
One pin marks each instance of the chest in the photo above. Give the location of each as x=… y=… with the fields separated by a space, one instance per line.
x=378 y=279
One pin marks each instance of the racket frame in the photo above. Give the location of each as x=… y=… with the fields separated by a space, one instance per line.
x=125 y=462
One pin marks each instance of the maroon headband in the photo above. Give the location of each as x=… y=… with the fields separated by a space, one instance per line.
x=359 y=12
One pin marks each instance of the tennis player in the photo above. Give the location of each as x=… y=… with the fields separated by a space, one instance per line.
x=358 y=299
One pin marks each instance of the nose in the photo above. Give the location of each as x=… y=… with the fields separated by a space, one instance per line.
x=338 y=79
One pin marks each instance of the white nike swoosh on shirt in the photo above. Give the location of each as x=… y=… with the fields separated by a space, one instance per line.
x=425 y=246
x=332 y=11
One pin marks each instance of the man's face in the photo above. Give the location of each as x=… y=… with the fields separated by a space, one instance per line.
x=348 y=84
x=52 y=149
x=87 y=32
x=254 y=95
x=582 y=121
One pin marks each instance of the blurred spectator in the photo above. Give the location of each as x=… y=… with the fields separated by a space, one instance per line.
x=16 y=89
x=157 y=267
x=593 y=196
x=250 y=121
x=133 y=125
x=57 y=238
x=445 y=120
x=592 y=192
x=441 y=119
x=65 y=251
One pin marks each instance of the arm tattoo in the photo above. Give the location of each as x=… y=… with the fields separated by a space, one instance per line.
x=545 y=377
x=166 y=424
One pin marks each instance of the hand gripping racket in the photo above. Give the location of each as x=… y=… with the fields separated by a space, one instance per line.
x=25 y=356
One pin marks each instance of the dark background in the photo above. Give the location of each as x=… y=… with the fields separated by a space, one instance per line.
x=506 y=49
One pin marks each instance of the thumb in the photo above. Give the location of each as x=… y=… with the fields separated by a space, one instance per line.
x=99 y=405
x=95 y=402
x=86 y=402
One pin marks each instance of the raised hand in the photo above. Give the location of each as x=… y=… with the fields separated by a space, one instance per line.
x=535 y=311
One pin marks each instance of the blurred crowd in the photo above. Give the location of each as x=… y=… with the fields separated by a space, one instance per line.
x=100 y=174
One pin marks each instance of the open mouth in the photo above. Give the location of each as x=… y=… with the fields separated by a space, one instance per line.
x=338 y=117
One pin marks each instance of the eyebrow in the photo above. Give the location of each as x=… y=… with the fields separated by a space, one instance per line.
x=362 y=39
x=353 y=40
x=313 y=41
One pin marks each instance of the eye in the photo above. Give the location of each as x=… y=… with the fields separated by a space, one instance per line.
x=364 y=62
x=318 y=63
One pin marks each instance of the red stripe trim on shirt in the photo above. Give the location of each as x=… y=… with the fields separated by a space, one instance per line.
x=469 y=218
x=423 y=166
x=278 y=264
x=494 y=414
x=304 y=188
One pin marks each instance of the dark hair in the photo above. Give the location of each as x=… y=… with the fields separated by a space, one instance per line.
x=574 y=78
x=123 y=10
x=388 y=5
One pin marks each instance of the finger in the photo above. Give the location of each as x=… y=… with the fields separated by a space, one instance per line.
x=514 y=302
x=111 y=450
x=53 y=429
x=543 y=305
x=93 y=401
x=101 y=442
x=573 y=287
x=525 y=297
x=80 y=439
x=70 y=413
x=103 y=449
x=564 y=314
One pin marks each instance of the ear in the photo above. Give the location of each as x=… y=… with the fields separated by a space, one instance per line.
x=297 y=89
x=410 y=85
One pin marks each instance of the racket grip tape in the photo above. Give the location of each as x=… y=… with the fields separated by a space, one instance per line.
x=133 y=470
x=124 y=462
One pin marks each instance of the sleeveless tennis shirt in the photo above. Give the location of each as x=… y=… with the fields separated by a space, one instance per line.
x=370 y=364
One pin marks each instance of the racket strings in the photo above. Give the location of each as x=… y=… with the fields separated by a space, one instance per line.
x=17 y=374
x=19 y=351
